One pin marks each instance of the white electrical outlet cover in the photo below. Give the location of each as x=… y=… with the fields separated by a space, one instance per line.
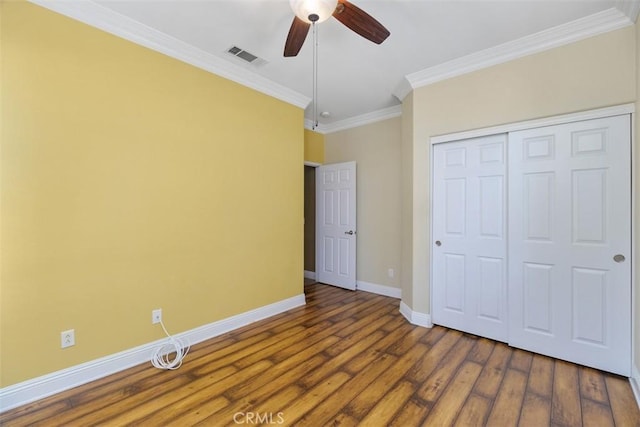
x=156 y=316
x=67 y=338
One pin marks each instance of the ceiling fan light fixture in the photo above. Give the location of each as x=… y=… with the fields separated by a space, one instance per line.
x=306 y=9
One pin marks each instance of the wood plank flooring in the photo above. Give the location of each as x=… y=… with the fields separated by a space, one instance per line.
x=346 y=358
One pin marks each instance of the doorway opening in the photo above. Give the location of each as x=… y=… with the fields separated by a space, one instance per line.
x=309 y=224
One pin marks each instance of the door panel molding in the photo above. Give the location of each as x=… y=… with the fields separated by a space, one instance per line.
x=589 y=324
x=336 y=236
x=585 y=315
x=469 y=231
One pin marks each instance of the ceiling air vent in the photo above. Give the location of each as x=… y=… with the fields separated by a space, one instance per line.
x=245 y=56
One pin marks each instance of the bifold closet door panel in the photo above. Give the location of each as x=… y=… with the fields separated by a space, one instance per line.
x=570 y=242
x=469 y=236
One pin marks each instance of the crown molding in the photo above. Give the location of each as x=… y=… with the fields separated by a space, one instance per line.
x=95 y=15
x=308 y=124
x=631 y=8
x=403 y=89
x=119 y=25
x=598 y=23
x=361 y=120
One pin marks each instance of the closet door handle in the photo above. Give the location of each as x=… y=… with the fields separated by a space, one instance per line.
x=438 y=243
x=619 y=258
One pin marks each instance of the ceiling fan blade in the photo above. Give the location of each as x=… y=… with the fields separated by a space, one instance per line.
x=360 y=22
x=297 y=35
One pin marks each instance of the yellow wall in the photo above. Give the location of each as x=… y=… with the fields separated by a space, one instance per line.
x=376 y=149
x=131 y=181
x=596 y=72
x=313 y=146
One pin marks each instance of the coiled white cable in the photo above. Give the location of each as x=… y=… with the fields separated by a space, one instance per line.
x=161 y=358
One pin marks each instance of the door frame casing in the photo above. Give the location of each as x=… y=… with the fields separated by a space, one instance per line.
x=551 y=121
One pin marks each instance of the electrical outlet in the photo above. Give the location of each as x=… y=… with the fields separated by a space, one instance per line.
x=156 y=316
x=67 y=338
x=390 y=273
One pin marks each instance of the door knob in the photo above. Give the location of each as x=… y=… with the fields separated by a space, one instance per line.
x=619 y=258
x=438 y=243
x=350 y=232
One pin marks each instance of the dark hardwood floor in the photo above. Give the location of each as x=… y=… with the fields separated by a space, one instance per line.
x=346 y=358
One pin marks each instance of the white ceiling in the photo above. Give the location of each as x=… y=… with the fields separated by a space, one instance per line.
x=357 y=79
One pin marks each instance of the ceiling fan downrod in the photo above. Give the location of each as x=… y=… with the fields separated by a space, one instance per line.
x=315 y=75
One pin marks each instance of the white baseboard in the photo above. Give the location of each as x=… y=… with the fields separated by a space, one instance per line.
x=387 y=291
x=414 y=317
x=635 y=383
x=310 y=275
x=55 y=382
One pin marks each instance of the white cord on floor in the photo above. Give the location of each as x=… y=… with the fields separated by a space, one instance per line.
x=161 y=357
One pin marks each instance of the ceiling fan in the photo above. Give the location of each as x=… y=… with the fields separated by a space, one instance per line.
x=314 y=11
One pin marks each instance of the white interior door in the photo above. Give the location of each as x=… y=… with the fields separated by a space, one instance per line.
x=469 y=233
x=336 y=224
x=570 y=242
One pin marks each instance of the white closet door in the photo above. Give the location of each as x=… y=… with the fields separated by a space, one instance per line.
x=570 y=242
x=469 y=236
